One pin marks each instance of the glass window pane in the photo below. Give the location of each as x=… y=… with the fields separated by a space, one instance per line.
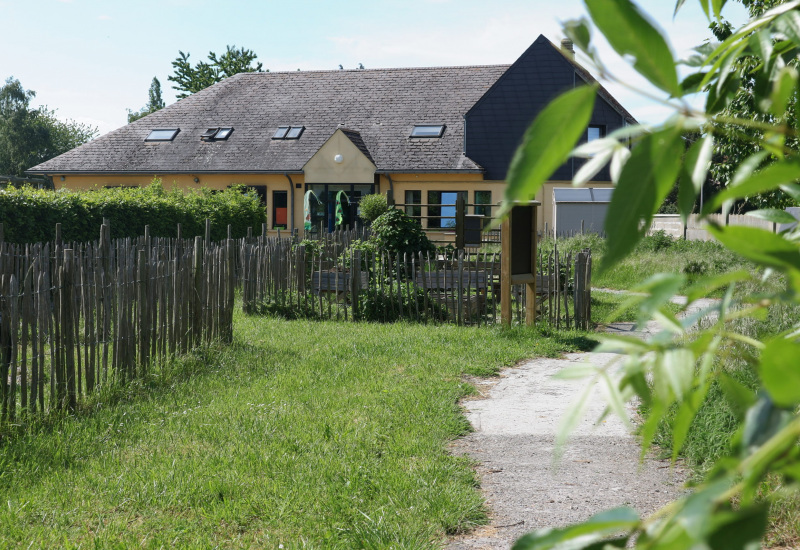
x=481 y=198
x=294 y=132
x=427 y=130
x=414 y=198
x=162 y=134
x=594 y=132
x=281 y=132
x=280 y=212
x=223 y=133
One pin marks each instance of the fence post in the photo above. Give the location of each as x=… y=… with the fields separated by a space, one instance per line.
x=208 y=231
x=2 y=234
x=197 y=294
x=460 y=213
x=143 y=313
x=58 y=235
x=355 y=279
x=67 y=327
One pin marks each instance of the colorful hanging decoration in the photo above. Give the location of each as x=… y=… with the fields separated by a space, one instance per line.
x=341 y=196
x=307 y=209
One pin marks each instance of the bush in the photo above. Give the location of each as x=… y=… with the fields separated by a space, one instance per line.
x=381 y=306
x=372 y=206
x=30 y=215
x=400 y=234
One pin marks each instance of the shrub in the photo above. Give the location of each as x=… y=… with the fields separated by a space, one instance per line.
x=372 y=206
x=398 y=233
x=30 y=215
x=381 y=305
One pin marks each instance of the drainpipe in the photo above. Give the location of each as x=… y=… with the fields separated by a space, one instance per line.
x=291 y=194
x=391 y=186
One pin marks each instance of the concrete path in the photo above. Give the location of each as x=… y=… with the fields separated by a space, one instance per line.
x=516 y=420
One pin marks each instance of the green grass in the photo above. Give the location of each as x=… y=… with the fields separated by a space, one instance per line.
x=306 y=434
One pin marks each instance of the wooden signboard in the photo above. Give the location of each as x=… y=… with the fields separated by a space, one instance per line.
x=518 y=243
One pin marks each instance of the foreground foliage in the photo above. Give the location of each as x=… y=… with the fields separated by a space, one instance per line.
x=680 y=367
x=305 y=434
x=30 y=215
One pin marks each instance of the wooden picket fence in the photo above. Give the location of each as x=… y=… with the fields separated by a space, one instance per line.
x=77 y=316
x=332 y=281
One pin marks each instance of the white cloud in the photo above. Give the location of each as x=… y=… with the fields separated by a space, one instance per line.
x=104 y=17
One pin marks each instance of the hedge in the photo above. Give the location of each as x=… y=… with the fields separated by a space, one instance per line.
x=30 y=215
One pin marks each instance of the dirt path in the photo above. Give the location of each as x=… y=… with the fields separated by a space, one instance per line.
x=515 y=423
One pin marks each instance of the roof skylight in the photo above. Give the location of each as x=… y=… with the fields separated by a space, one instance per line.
x=288 y=132
x=427 y=131
x=162 y=134
x=214 y=134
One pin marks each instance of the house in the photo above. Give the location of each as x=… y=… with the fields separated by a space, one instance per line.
x=428 y=135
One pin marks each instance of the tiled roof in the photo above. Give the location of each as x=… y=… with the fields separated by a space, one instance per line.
x=355 y=137
x=380 y=105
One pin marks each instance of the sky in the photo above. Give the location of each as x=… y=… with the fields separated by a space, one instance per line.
x=90 y=60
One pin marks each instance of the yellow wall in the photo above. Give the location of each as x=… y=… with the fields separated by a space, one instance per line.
x=278 y=182
x=354 y=167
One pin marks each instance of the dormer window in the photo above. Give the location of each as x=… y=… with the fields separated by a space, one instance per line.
x=162 y=134
x=288 y=132
x=427 y=131
x=216 y=134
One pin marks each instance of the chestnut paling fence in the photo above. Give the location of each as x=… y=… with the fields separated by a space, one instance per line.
x=75 y=317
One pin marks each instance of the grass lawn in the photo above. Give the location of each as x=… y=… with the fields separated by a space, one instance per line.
x=306 y=434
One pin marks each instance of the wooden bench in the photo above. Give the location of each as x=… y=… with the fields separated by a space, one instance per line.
x=332 y=281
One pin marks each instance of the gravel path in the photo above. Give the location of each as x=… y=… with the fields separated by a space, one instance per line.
x=516 y=420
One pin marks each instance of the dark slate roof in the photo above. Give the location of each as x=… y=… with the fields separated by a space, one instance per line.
x=355 y=137
x=382 y=105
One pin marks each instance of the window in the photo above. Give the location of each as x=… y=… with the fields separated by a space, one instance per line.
x=414 y=204
x=280 y=210
x=295 y=132
x=162 y=134
x=442 y=208
x=214 y=134
x=595 y=132
x=427 y=131
x=483 y=203
x=288 y=132
x=260 y=190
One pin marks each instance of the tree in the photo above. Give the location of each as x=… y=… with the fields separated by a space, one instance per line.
x=190 y=79
x=31 y=136
x=675 y=369
x=731 y=146
x=154 y=103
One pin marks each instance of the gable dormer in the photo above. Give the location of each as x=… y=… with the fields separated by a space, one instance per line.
x=494 y=126
x=343 y=158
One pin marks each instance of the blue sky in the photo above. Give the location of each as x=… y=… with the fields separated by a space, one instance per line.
x=93 y=59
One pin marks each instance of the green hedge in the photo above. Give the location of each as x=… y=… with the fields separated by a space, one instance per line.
x=30 y=215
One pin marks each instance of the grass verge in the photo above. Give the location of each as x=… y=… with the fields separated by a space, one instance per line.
x=305 y=434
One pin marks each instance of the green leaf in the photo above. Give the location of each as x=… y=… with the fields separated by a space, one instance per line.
x=761 y=44
x=772 y=215
x=630 y=33
x=660 y=288
x=780 y=371
x=678 y=6
x=762 y=421
x=646 y=179
x=718 y=5
x=784 y=85
x=769 y=178
x=593 y=529
x=760 y=246
x=696 y=165
x=739 y=396
x=548 y=142
x=740 y=529
x=577 y=30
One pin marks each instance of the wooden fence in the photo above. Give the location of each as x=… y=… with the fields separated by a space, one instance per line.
x=332 y=281
x=74 y=317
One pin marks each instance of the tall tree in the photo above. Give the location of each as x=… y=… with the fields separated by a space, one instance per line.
x=154 y=102
x=31 y=136
x=189 y=79
x=735 y=143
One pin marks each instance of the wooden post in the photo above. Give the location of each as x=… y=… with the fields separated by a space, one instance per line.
x=518 y=259
x=67 y=329
x=208 y=232
x=58 y=234
x=197 y=291
x=505 y=272
x=460 y=214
